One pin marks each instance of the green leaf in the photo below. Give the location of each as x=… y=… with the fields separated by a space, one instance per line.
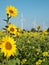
x=18 y=61
x=0 y=64
x=11 y=62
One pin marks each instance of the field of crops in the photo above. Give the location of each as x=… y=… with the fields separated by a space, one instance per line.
x=32 y=48
x=19 y=47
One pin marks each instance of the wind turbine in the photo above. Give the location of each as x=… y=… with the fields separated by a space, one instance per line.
x=34 y=24
x=44 y=25
x=22 y=20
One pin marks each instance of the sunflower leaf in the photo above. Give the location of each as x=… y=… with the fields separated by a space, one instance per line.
x=12 y=62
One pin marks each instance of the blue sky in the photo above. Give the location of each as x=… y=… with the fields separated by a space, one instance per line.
x=35 y=12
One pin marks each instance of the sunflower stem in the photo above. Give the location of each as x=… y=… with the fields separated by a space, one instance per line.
x=8 y=18
x=7 y=22
x=6 y=60
x=2 y=63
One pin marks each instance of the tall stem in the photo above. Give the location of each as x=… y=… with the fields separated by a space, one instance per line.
x=7 y=22
x=6 y=60
x=2 y=63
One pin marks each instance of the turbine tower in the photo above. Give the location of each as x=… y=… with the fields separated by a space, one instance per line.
x=44 y=25
x=22 y=20
x=34 y=24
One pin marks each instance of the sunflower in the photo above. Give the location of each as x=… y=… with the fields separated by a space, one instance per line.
x=0 y=43
x=8 y=46
x=12 y=11
x=44 y=32
x=1 y=32
x=18 y=30
x=12 y=28
x=38 y=27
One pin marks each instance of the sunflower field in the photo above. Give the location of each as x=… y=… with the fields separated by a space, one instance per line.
x=19 y=47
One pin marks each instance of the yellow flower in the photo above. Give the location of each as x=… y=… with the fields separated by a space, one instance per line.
x=23 y=61
x=8 y=46
x=39 y=62
x=0 y=43
x=44 y=60
x=45 y=53
x=38 y=50
x=12 y=29
x=36 y=34
x=1 y=32
x=33 y=47
x=28 y=41
x=44 y=32
x=18 y=30
x=38 y=27
x=17 y=34
x=12 y=11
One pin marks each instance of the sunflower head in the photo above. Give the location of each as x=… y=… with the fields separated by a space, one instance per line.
x=18 y=30
x=38 y=27
x=8 y=46
x=44 y=32
x=12 y=28
x=1 y=32
x=11 y=11
x=0 y=43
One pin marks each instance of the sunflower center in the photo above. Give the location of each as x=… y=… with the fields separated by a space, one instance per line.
x=0 y=43
x=8 y=45
x=12 y=29
x=10 y=11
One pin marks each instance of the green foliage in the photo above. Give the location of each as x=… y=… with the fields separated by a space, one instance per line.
x=31 y=47
x=33 y=29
